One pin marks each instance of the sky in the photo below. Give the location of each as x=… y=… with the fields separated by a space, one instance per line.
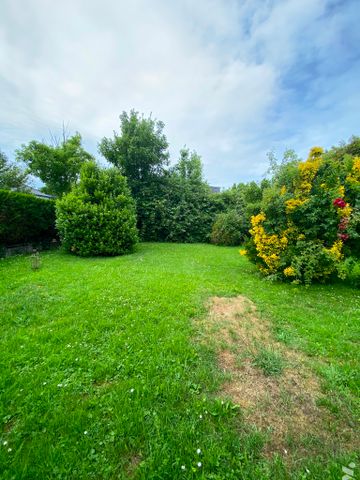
x=231 y=79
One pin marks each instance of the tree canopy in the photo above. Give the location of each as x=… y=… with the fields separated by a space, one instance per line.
x=140 y=151
x=57 y=166
x=11 y=176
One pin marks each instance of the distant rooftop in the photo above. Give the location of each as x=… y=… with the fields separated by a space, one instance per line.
x=40 y=194
x=215 y=189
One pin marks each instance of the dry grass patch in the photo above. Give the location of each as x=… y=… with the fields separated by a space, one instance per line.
x=275 y=386
x=132 y=464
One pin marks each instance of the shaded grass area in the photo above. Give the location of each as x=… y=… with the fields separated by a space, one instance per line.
x=100 y=376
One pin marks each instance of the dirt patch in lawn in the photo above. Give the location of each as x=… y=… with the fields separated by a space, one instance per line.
x=274 y=385
x=132 y=464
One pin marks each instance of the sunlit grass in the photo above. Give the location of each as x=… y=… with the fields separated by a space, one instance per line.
x=101 y=375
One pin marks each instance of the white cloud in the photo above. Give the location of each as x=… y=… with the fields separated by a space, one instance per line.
x=211 y=70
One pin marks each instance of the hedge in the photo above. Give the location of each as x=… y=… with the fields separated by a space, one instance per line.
x=25 y=218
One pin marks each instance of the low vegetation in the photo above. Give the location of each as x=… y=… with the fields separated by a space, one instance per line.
x=98 y=216
x=25 y=218
x=308 y=228
x=121 y=368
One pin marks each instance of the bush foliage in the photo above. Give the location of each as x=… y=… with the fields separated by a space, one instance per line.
x=229 y=229
x=25 y=218
x=309 y=222
x=98 y=216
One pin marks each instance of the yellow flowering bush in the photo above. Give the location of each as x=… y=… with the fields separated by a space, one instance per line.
x=354 y=176
x=268 y=247
x=307 y=229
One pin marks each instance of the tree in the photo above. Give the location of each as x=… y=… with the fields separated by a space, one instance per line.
x=98 y=216
x=11 y=176
x=141 y=154
x=140 y=151
x=189 y=167
x=58 y=166
x=190 y=206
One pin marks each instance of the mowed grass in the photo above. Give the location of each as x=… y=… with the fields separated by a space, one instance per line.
x=102 y=376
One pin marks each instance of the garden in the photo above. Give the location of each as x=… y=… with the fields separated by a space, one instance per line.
x=172 y=332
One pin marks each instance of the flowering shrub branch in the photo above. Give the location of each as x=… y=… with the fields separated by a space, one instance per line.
x=307 y=231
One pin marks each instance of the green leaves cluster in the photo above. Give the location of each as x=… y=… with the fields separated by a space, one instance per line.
x=300 y=209
x=25 y=218
x=11 y=176
x=57 y=166
x=229 y=229
x=172 y=204
x=98 y=216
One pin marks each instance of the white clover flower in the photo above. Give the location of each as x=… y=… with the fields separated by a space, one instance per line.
x=9 y=450
x=200 y=416
x=86 y=432
x=5 y=442
x=131 y=390
x=198 y=451
x=59 y=385
x=183 y=467
x=44 y=383
x=199 y=464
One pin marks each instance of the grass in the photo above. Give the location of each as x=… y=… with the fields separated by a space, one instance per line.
x=270 y=362
x=101 y=375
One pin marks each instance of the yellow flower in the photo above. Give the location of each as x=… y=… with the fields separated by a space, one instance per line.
x=316 y=152
x=268 y=247
x=336 y=250
x=341 y=191
x=283 y=190
x=346 y=211
x=289 y=272
x=293 y=203
x=308 y=171
x=354 y=176
x=243 y=252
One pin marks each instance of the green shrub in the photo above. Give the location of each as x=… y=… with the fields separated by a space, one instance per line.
x=98 y=216
x=351 y=268
x=229 y=229
x=308 y=226
x=25 y=218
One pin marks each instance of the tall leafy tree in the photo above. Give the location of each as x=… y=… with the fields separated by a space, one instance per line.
x=58 y=166
x=11 y=176
x=190 y=205
x=140 y=151
x=189 y=168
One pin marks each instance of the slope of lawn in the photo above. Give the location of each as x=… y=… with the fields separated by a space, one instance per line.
x=101 y=375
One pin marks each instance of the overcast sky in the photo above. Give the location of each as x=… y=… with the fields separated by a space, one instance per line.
x=231 y=79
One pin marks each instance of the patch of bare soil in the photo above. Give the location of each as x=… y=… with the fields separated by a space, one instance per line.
x=132 y=464
x=282 y=406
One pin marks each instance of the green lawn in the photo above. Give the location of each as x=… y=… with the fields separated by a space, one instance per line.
x=102 y=374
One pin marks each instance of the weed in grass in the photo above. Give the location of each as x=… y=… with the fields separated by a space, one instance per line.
x=270 y=362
